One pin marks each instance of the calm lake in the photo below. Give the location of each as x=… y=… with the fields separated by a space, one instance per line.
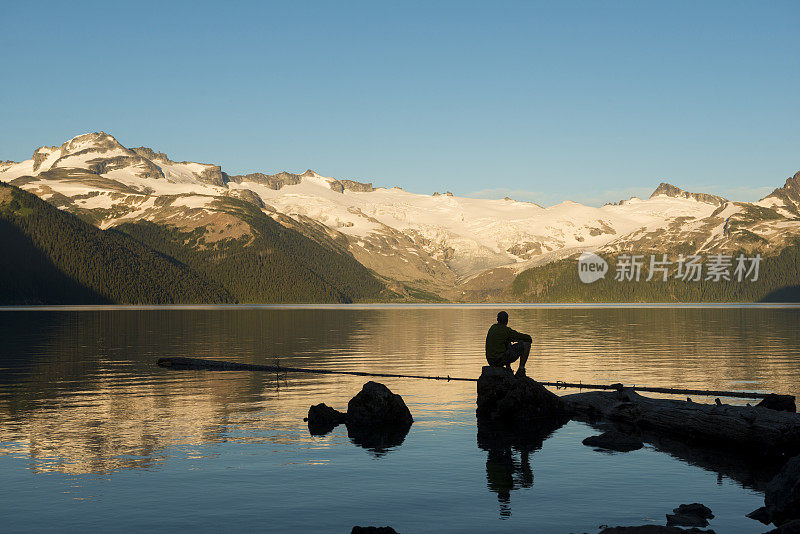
x=95 y=437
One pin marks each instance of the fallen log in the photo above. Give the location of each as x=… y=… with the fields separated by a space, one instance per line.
x=758 y=430
x=220 y=365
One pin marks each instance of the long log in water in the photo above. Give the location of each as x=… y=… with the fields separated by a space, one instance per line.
x=219 y=365
x=762 y=431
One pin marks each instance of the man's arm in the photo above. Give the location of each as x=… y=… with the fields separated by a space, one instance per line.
x=513 y=335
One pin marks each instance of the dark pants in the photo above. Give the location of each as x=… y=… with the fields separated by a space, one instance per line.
x=514 y=352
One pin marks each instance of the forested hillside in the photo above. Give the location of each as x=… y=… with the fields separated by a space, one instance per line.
x=778 y=281
x=52 y=257
x=275 y=264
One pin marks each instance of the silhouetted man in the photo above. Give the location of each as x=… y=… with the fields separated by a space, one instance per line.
x=500 y=349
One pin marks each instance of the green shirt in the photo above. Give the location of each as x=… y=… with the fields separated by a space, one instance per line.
x=498 y=337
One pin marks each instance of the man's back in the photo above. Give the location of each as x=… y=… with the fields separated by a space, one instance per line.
x=497 y=340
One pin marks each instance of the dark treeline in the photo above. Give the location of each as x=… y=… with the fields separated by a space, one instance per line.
x=778 y=281
x=52 y=257
x=49 y=256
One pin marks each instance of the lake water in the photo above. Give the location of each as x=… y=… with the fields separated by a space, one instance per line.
x=95 y=437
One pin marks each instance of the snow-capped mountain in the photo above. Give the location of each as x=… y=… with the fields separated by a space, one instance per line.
x=435 y=242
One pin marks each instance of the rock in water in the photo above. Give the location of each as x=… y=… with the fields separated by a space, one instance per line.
x=690 y=515
x=373 y=530
x=322 y=419
x=695 y=508
x=782 y=494
x=614 y=441
x=792 y=527
x=504 y=397
x=376 y=405
x=782 y=403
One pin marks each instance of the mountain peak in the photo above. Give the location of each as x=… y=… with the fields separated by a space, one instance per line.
x=670 y=190
x=789 y=194
x=95 y=140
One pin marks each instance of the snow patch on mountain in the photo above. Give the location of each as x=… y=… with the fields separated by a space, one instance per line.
x=427 y=234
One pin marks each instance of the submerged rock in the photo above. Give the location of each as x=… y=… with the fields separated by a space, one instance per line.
x=782 y=403
x=504 y=397
x=376 y=405
x=695 y=509
x=654 y=529
x=322 y=419
x=615 y=441
x=690 y=515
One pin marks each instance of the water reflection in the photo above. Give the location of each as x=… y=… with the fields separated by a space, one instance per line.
x=378 y=440
x=508 y=460
x=79 y=391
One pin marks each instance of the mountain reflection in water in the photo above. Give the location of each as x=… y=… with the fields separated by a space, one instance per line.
x=80 y=394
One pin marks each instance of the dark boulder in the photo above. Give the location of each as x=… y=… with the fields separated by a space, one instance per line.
x=373 y=530
x=782 y=403
x=615 y=441
x=782 y=494
x=376 y=405
x=322 y=419
x=761 y=515
x=504 y=397
x=376 y=419
x=690 y=515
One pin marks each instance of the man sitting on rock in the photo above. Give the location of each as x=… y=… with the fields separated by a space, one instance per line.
x=500 y=351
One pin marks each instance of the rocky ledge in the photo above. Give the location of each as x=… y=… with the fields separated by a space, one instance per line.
x=781 y=497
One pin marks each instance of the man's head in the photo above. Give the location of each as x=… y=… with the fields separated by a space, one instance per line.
x=502 y=317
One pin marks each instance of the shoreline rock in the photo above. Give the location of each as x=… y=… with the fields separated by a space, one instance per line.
x=502 y=397
x=782 y=495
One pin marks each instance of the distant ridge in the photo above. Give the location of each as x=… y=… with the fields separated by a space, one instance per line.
x=307 y=237
x=788 y=195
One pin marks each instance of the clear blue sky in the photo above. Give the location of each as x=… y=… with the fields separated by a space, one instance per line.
x=589 y=101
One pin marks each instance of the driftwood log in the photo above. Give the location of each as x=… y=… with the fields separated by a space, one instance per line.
x=758 y=430
x=785 y=401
